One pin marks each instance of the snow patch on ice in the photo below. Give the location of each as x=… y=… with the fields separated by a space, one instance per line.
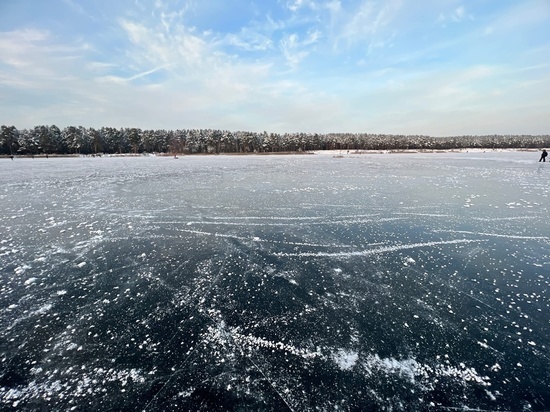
x=409 y=261
x=43 y=309
x=413 y=370
x=221 y=335
x=19 y=270
x=345 y=359
x=68 y=383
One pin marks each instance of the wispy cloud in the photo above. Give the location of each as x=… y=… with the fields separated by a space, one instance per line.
x=456 y=15
x=295 y=5
x=22 y=49
x=248 y=40
x=366 y=23
x=154 y=47
x=295 y=49
x=78 y=8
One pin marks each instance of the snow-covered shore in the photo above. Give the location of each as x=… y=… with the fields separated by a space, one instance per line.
x=472 y=150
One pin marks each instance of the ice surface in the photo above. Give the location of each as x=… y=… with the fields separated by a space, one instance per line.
x=363 y=282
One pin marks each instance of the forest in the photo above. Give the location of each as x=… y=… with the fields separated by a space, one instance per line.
x=108 y=140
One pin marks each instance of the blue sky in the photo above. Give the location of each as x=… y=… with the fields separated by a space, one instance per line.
x=436 y=67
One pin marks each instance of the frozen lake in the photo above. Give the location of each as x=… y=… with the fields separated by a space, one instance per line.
x=302 y=283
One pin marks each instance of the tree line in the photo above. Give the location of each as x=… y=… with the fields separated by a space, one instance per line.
x=50 y=139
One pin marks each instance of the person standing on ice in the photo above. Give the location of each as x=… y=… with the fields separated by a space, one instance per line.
x=543 y=156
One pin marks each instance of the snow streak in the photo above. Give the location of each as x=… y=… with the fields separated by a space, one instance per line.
x=546 y=238
x=384 y=249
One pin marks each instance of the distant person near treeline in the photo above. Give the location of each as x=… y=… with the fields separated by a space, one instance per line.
x=543 y=156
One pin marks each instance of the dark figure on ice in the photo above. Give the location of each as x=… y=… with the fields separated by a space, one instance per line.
x=543 y=156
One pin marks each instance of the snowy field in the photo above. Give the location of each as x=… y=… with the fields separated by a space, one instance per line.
x=276 y=283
